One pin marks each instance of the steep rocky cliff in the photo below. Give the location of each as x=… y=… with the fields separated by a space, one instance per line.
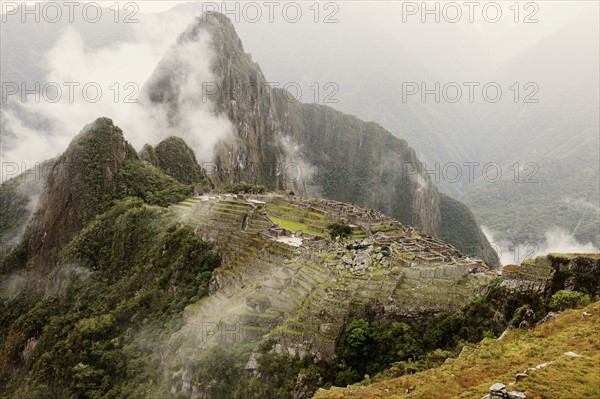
x=311 y=149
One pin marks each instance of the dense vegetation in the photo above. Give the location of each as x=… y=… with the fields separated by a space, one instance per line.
x=282 y=376
x=174 y=157
x=460 y=228
x=471 y=373
x=376 y=349
x=150 y=184
x=101 y=276
x=370 y=347
x=119 y=292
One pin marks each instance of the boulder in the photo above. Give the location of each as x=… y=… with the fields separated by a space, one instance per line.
x=520 y=376
x=498 y=391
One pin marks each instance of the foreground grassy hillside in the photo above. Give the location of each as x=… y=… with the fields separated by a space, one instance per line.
x=476 y=369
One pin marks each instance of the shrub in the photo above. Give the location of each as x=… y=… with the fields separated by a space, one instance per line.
x=522 y=314
x=562 y=300
x=243 y=188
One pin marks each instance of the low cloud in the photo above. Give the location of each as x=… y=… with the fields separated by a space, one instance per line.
x=119 y=70
x=555 y=240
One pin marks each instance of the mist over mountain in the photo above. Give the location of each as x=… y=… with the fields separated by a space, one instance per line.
x=359 y=163
x=268 y=209
x=550 y=148
x=551 y=129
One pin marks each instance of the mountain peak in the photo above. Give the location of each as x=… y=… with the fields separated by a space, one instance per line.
x=283 y=144
x=101 y=127
x=218 y=26
x=80 y=184
x=174 y=157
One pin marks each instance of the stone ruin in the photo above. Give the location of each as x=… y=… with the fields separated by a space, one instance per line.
x=299 y=294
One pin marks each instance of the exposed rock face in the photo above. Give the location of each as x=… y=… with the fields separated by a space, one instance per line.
x=29 y=348
x=283 y=144
x=361 y=163
x=579 y=272
x=534 y=275
x=299 y=296
x=554 y=272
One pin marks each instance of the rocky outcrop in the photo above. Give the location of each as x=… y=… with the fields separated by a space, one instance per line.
x=498 y=391
x=534 y=275
x=576 y=272
x=549 y=274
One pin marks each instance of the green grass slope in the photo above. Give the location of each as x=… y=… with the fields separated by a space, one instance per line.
x=475 y=370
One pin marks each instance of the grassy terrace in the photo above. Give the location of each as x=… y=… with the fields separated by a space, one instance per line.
x=383 y=228
x=294 y=226
x=295 y=211
x=535 y=277
x=435 y=302
x=536 y=262
x=359 y=233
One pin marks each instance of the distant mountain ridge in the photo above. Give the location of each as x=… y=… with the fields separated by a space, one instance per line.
x=557 y=139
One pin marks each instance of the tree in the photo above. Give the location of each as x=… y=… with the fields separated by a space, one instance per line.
x=339 y=229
